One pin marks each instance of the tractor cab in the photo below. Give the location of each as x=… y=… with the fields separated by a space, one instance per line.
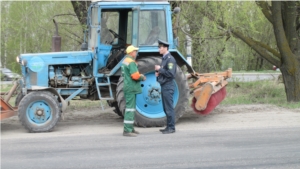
x=114 y=26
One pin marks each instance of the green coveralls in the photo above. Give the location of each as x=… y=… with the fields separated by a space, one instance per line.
x=132 y=86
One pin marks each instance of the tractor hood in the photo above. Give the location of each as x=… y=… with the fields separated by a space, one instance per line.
x=38 y=61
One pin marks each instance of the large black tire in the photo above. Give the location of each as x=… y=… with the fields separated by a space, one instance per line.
x=115 y=105
x=146 y=65
x=49 y=101
x=18 y=99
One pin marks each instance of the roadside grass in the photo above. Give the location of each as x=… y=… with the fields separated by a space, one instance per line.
x=87 y=104
x=259 y=92
x=5 y=87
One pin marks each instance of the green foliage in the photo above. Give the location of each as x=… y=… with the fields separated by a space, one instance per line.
x=214 y=48
x=27 y=27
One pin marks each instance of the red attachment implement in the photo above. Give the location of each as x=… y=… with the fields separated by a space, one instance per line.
x=208 y=90
x=6 y=109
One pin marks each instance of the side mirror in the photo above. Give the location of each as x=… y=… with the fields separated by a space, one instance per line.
x=176 y=10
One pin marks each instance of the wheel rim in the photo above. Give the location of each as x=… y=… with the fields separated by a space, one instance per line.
x=149 y=103
x=38 y=112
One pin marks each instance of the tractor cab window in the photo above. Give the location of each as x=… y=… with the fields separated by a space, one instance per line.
x=109 y=27
x=152 y=26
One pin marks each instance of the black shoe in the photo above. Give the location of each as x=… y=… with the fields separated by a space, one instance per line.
x=162 y=130
x=168 y=131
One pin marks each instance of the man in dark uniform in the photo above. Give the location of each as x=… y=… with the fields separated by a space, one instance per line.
x=165 y=74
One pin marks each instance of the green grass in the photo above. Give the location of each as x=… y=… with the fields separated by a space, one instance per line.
x=5 y=87
x=260 y=92
x=87 y=104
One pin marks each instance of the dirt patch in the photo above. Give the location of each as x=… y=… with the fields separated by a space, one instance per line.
x=95 y=121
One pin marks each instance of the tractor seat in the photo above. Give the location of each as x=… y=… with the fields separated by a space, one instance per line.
x=115 y=58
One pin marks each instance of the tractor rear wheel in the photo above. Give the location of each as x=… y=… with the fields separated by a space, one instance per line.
x=149 y=111
x=39 y=111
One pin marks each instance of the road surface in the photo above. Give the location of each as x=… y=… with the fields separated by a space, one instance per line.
x=245 y=136
x=255 y=148
x=247 y=77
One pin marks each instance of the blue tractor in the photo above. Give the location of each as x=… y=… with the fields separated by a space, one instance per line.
x=50 y=80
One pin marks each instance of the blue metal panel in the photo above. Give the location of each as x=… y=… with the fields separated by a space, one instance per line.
x=75 y=93
x=130 y=4
x=58 y=58
x=37 y=64
x=103 y=52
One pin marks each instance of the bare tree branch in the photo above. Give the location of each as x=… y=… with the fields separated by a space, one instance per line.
x=72 y=33
x=268 y=48
x=64 y=15
x=63 y=23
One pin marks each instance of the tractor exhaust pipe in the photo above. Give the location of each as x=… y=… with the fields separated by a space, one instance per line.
x=56 y=39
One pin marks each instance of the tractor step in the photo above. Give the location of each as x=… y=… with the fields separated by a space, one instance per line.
x=98 y=85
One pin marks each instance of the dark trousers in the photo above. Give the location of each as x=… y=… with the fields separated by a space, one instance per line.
x=167 y=93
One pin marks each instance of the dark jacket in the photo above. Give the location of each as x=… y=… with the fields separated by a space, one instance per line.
x=167 y=71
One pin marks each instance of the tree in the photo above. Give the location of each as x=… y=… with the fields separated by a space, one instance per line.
x=213 y=47
x=27 y=27
x=81 y=10
x=285 y=22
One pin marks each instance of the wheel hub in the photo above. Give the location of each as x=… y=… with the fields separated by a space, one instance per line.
x=149 y=102
x=154 y=95
x=40 y=112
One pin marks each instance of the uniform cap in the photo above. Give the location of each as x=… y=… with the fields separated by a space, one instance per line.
x=130 y=49
x=163 y=43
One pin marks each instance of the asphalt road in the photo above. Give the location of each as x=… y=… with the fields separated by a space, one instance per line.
x=216 y=149
x=247 y=77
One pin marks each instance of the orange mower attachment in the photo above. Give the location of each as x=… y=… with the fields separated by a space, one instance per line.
x=208 y=90
x=6 y=109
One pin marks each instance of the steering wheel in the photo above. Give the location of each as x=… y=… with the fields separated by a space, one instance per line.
x=115 y=34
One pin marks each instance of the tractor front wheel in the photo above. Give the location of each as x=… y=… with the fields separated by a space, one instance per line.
x=39 y=111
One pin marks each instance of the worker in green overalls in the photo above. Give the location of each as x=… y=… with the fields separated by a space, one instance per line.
x=132 y=86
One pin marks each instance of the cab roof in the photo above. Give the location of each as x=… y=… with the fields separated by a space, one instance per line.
x=133 y=2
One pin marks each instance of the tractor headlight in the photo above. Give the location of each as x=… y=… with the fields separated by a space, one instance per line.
x=18 y=59
x=24 y=62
